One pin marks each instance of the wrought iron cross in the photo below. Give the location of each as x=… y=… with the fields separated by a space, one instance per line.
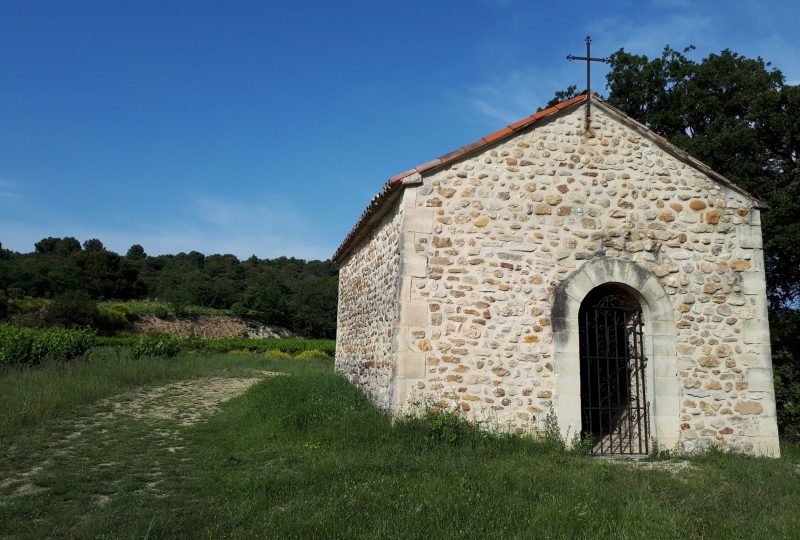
x=588 y=58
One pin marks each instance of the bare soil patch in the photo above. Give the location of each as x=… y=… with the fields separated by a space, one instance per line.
x=185 y=402
x=671 y=466
x=169 y=408
x=208 y=327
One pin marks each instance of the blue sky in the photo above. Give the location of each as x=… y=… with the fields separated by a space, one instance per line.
x=265 y=127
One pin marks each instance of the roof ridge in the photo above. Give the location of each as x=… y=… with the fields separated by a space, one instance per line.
x=395 y=182
x=489 y=139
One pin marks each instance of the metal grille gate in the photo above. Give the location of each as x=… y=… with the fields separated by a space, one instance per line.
x=614 y=408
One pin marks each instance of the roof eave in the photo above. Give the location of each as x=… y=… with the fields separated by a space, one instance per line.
x=414 y=176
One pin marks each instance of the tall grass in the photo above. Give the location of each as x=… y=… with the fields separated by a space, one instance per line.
x=29 y=396
x=310 y=457
x=307 y=456
x=218 y=346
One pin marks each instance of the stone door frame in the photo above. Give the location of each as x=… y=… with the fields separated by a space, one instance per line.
x=660 y=338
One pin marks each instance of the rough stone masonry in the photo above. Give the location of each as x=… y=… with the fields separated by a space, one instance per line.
x=460 y=285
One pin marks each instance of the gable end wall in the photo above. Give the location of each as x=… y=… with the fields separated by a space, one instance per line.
x=503 y=230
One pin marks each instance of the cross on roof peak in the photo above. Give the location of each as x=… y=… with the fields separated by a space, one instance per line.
x=588 y=59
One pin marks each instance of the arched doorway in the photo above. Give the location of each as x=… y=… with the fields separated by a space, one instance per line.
x=614 y=406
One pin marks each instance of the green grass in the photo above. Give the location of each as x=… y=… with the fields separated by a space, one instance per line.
x=30 y=396
x=306 y=456
x=154 y=307
x=220 y=346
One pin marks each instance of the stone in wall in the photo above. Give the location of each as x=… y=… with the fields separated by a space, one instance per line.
x=512 y=222
x=368 y=310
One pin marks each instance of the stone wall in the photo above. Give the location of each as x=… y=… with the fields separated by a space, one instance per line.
x=368 y=310
x=493 y=236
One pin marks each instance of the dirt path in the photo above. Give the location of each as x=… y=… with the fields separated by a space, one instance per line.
x=159 y=413
x=185 y=402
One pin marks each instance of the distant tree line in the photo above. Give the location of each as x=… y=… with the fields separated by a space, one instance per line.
x=297 y=294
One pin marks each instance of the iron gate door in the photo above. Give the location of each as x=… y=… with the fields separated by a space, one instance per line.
x=614 y=408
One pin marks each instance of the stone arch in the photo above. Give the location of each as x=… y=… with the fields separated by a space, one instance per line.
x=659 y=343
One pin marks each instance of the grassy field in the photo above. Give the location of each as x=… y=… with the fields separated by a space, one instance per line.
x=217 y=346
x=112 y=448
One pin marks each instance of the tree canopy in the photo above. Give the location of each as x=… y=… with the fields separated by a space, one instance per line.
x=293 y=293
x=737 y=115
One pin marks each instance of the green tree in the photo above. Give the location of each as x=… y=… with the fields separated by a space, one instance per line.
x=136 y=253
x=72 y=309
x=267 y=295
x=61 y=247
x=562 y=95
x=93 y=245
x=739 y=116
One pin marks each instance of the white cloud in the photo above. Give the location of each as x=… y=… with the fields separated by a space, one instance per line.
x=506 y=98
x=10 y=190
x=503 y=97
x=676 y=29
x=747 y=28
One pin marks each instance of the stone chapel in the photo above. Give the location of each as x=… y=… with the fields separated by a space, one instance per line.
x=593 y=269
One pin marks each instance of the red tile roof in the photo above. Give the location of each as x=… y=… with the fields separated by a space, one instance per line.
x=395 y=182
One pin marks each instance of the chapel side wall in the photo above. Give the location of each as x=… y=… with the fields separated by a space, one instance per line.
x=508 y=225
x=368 y=309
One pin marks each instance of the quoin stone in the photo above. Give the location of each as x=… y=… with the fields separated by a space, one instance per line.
x=466 y=285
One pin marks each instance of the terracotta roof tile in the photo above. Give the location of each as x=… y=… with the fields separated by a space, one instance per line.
x=522 y=123
x=400 y=176
x=472 y=146
x=498 y=134
x=429 y=165
x=452 y=155
x=395 y=182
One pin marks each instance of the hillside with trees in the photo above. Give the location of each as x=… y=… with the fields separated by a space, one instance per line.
x=291 y=293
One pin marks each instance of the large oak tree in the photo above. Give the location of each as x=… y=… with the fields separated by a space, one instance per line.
x=739 y=116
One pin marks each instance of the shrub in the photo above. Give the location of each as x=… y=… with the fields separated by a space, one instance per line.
x=240 y=352
x=31 y=345
x=551 y=431
x=311 y=353
x=446 y=426
x=277 y=353
x=113 y=318
x=27 y=311
x=123 y=309
x=72 y=309
x=3 y=305
x=154 y=345
x=239 y=310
